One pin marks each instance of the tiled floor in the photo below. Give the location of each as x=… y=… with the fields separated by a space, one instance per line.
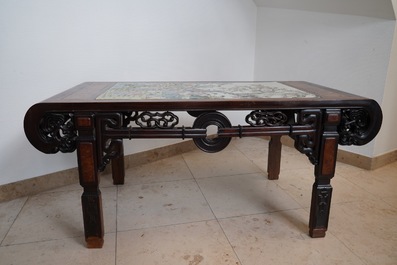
x=199 y=208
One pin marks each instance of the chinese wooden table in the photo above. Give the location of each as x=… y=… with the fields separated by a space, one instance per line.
x=94 y=118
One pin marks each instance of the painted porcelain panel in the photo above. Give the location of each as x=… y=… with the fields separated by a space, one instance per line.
x=202 y=91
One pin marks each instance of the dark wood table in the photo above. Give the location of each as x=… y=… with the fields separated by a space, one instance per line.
x=94 y=118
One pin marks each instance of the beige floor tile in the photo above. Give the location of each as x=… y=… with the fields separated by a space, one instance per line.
x=57 y=215
x=106 y=181
x=169 y=169
x=393 y=165
x=252 y=147
x=158 y=204
x=256 y=150
x=281 y=238
x=298 y=183
x=380 y=182
x=225 y=163
x=295 y=160
x=345 y=191
x=392 y=201
x=368 y=228
x=346 y=170
x=195 y=243
x=244 y=194
x=71 y=187
x=258 y=146
x=68 y=251
x=165 y=216
x=8 y=213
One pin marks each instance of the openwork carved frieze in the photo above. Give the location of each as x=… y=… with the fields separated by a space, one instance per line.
x=157 y=120
x=266 y=118
x=354 y=126
x=58 y=129
x=129 y=117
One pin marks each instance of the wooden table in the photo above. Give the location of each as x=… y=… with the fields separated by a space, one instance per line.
x=94 y=118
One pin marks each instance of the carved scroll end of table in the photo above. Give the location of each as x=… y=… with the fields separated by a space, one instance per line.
x=360 y=125
x=50 y=132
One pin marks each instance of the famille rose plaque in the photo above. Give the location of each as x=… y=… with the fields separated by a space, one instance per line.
x=201 y=91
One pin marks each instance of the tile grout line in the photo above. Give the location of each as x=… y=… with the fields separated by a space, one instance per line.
x=16 y=217
x=362 y=188
x=151 y=182
x=206 y=220
x=347 y=247
x=390 y=204
x=216 y=218
x=117 y=232
x=47 y=240
x=166 y=225
x=260 y=213
x=219 y=224
x=251 y=161
x=265 y=173
x=273 y=181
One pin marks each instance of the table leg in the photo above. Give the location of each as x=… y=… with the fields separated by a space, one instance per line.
x=324 y=171
x=91 y=199
x=118 y=170
x=274 y=157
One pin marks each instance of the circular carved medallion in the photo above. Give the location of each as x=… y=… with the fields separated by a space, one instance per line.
x=212 y=143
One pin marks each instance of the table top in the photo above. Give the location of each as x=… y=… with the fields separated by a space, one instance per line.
x=112 y=96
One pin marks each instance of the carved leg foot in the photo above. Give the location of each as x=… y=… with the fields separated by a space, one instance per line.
x=319 y=211
x=94 y=242
x=274 y=157
x=317 y=233
x=93 y=218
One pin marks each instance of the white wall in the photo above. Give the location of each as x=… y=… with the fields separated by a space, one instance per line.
x=368 y=8
x=346 y=52
x=48 y=46
x=386 y=139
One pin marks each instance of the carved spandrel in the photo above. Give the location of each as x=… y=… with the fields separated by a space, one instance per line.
x=307 y=143
x=109 y=148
